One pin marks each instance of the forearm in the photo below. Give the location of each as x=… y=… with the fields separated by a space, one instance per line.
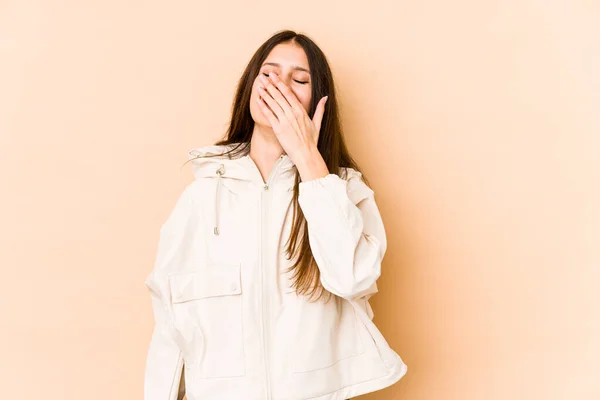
x=347 y=240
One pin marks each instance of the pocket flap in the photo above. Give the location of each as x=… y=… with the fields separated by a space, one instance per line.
x=210 y=281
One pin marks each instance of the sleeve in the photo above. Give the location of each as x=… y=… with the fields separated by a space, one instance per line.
x=346 y=233
x=164 y=378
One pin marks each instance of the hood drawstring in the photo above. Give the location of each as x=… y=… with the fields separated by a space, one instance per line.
x=219 y=173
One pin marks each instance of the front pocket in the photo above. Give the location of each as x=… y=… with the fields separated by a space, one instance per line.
x=326 y=334
x=207 y=308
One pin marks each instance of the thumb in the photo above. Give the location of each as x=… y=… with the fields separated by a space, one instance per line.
x=318 y=117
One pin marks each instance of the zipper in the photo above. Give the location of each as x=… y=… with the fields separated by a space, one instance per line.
x=265 y=298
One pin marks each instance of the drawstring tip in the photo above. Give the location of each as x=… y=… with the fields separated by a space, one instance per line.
x=216 y=231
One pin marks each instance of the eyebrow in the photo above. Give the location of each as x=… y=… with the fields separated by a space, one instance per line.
x=296 y=67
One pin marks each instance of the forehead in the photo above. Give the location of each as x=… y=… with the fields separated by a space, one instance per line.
x=288 y=55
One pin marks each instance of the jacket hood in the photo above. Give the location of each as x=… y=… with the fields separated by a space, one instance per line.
x=209 y=162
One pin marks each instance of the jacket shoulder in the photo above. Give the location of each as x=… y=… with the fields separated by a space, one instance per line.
x=356 y=187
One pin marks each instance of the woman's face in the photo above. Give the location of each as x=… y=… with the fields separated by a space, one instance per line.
x=290 y=64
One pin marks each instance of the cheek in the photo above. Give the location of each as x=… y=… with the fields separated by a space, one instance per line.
x=254 y=108
x=255 y=88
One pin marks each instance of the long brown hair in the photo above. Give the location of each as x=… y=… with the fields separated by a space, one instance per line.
x=331 y=145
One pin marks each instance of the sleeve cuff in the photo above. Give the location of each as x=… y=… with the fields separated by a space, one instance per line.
x=319 y=183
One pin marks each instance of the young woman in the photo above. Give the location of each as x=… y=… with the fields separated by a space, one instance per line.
x=266 y=263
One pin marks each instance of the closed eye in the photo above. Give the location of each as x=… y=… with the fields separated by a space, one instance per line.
x=300 y=82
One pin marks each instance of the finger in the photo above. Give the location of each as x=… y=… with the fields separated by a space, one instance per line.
x=288 y=94
x=285 y=114
x=320 y=110
x=270 y=101
x=267 y=111
x=278 y=97
x=292 y=115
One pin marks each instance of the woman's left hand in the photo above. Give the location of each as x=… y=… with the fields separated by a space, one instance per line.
x=296 y=132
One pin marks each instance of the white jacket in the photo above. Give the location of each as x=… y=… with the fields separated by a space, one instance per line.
x=225 y=313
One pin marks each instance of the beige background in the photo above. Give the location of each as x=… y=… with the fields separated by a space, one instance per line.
x=476 y=121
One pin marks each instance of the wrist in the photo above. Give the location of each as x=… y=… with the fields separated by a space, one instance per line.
x=312 y=165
